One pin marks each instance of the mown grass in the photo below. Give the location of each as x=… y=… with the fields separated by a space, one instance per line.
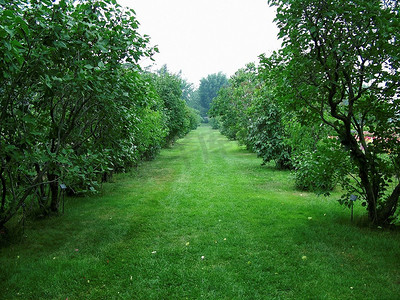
x=202 y=221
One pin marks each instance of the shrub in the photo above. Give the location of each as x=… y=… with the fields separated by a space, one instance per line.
x=320 y=170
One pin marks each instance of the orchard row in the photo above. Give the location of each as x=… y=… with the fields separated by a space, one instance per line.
x=75 y=105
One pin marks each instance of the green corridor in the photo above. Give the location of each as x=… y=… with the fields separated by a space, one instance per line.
x=204 y=220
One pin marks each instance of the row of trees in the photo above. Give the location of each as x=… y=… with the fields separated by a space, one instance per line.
x=327 y=105
x=75 y=105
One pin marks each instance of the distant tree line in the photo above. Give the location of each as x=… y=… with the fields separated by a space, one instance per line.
x=75 y=105
x=202 y=97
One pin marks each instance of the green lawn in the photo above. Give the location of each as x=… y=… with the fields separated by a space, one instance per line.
x=203 y=221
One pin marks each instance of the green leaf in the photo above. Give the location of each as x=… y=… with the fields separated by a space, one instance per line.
x=48 y=82
x=10 y=148
x=23 y=24
x=15 y=43
x=9 y=30
x=8 y=13
x=60 y=44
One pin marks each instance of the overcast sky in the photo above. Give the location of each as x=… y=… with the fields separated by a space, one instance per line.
x=202 y=37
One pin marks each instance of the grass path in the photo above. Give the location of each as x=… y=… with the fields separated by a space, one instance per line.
x=202 y=221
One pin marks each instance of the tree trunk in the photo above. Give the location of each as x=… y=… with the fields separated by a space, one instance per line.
x=41 y=193
x=389 y=207
x=383 y=214
x=349 y=141
x=11 y=211
x=370 y=196
x=54 y=192
x=3 y=191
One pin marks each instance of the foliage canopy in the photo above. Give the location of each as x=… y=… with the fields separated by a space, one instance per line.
x=341 y=63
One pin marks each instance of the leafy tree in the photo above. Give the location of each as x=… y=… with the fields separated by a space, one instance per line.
x=68 y=101
x=208 y=90
x=245 y=111
x=277 y=132
x=223 y=117
x=177 y=115
x=229 y=107
x=187 y=89
x=194 y=118
x=194 y=100
x=266 y=133
x=191 y=97
x=342 y=61
x=268 y=124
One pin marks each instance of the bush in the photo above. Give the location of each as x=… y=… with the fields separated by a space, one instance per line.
x=215 y=123
x=320 y=170
x=266 y=138
x=194 y=118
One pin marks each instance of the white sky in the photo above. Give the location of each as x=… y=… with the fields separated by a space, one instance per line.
x=202 y=37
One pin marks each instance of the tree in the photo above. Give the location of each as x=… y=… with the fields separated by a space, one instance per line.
x=68 y=101
x=169 y=88
x=194 y=101
x=191 y=97
x=187 y=89
x=229 y=108
x=342 y=65
x=247 y=110
x=208 y=90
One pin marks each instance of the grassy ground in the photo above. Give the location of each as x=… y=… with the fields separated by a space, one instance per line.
x=204 y=220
